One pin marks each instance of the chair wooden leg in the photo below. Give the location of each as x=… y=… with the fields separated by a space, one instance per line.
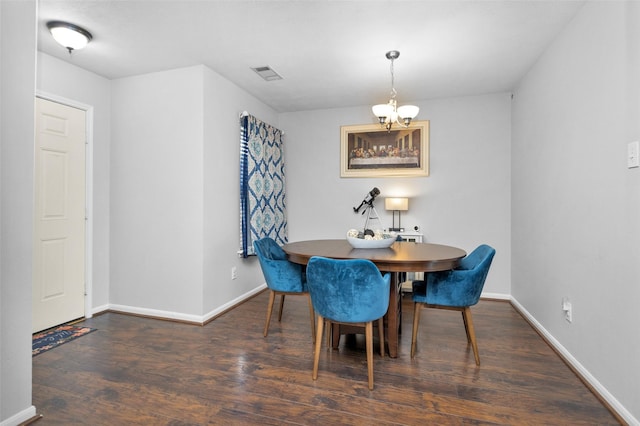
x=316 y=355
x=466 y=326
x=312 y=315
x=381 y=335
x=369 y=344
x=281 y=307
x=272 y=298
x=416 y=321
x=471 y=333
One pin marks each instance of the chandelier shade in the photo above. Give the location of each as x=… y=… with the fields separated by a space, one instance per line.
x=382 y=110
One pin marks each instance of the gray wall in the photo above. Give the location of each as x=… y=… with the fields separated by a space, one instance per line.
x=130 y=219
x=576 y=205
x=464 y=202
x=59 y=78
x=156 y=191
x=169 y=163
x=223 y=103
x=174 y=193
x=17 y=90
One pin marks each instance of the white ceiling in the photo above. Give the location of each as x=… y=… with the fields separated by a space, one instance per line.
x=330 y=53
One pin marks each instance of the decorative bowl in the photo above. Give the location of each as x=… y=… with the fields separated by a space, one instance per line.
x=371 y=244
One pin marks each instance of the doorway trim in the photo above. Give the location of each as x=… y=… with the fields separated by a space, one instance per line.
x=88 y=191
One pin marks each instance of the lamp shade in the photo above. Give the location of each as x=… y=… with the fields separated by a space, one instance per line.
x=382 y=110
x=400 y=204
x=408 y=111
x=69 y=35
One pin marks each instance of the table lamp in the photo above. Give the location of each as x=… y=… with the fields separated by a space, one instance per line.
x=396 y=205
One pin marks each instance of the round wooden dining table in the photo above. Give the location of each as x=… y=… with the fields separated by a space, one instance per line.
x=402 y=256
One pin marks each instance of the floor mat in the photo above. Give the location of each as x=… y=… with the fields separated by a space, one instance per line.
x=49 y=339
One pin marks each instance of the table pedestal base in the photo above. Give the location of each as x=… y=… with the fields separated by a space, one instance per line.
x=393 y=316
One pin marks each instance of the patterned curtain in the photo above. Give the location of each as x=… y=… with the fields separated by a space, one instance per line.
x=262 y=200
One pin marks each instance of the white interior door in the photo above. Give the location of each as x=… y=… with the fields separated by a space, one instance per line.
x=59 y=215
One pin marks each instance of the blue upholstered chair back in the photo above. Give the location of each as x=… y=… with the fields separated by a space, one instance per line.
x=347 y=290
x=459 y=287
x=279 y=273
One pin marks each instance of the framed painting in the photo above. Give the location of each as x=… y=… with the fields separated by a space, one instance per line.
x=369 y=150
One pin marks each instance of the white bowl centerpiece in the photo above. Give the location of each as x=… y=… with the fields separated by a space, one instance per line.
x=370 y=239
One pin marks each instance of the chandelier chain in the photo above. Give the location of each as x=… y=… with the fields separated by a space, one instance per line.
x=393 y=85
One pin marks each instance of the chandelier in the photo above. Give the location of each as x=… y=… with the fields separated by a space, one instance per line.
x=390 y=113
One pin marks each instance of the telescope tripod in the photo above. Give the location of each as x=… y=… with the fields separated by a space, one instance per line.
x=372 y=216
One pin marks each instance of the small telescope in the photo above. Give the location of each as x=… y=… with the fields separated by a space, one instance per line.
x=368 y=200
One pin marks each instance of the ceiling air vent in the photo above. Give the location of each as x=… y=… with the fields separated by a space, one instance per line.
x=267 y=73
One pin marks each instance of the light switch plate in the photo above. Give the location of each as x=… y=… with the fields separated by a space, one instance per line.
x=633 y=152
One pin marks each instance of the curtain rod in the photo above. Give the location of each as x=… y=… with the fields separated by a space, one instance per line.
x=245 y=113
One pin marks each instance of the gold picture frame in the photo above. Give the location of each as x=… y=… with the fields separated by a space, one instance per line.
x=369 y=150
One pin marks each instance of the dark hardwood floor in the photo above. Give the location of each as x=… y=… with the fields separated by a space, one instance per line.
x=143 y=371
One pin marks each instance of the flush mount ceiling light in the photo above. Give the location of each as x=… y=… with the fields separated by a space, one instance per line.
x=390 y=113
x=71 y=36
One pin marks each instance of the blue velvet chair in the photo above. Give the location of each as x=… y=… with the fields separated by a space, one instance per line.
x=282 y=277
x=352 y=292
x=458 y=290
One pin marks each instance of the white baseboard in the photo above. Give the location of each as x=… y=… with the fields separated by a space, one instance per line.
x=156 y=313
x=178 y=316
x=582 y=371
x=20 y=417
x=496 y=296
x=98 y=309
x=233 y=303
x=406 y=287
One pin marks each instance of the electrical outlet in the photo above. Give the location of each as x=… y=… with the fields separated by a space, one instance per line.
x=234 y=273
